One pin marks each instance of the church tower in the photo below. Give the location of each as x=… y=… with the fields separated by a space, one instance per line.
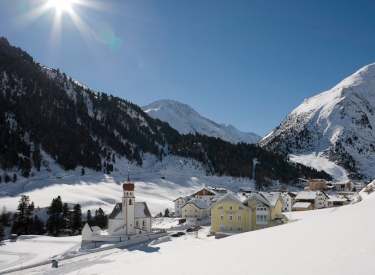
x=128 y=206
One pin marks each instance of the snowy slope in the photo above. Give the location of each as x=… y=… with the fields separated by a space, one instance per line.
x=327 y=241
x=157 y=183
x=186 y=120
x=338 y=125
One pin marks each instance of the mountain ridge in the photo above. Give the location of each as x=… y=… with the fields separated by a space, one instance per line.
x=186 y=120
x=337 y=124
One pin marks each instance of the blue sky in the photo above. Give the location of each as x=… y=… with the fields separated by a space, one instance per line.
x=247 y=63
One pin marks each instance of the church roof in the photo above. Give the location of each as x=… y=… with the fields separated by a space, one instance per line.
x=141 y=211
x=116 y=210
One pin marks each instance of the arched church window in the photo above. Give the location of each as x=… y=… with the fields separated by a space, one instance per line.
x=130 y=201
x=136 y=224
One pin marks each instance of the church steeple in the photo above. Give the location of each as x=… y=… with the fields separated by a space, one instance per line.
x=128 y=206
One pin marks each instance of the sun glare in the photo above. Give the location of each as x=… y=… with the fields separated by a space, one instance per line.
x=61 y=5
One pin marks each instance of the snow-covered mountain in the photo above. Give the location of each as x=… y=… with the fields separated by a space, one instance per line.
x=186 y=120
x=337 y=124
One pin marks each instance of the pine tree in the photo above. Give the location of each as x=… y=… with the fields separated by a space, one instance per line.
x=166 y=213
x=38 y=227
x=31 y=206
x=83 y=171
x=89 y=217
x=2 y=232
x=22 y=215
x=14 y=177
x=26 y=168
x=54 y=222
x=77 y=217
x=66 y=219
x=4 y=222
x=100 y=218
x=37 y=157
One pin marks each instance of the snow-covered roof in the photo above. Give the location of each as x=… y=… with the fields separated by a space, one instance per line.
x=337 y=198
x=306 y=195
x=198 y=203
x=141 y=210
x=186 y=198
x=95 y=228
x=206 y=191
x=271 y=197
x=230 y=196
x=302 y=205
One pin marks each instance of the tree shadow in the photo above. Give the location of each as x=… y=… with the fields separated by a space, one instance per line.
x=143 y=247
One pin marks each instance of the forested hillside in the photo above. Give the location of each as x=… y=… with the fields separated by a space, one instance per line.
x=42 y=109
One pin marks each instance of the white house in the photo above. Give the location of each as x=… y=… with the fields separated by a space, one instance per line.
x=207 y=195
x=195 y=209
x=337 y=200
x=289 y=199
x=318 y=198
x=178 y=203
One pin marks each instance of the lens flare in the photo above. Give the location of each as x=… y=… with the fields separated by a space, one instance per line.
x=61 y=5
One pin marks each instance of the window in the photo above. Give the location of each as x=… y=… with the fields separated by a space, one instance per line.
x=230 y=217
x=240 y=208
x=261 y=218
x=221 y=217
x=239 y=227
x=230 y=207
x=185 y=210
x=195 y=210
x=130 y=201
x=230 y=227
x=222 y=227
x=178 y=211
x=143 y=224
x=261 y=208
x=220 y=207
x=239 y=217
x=136 y=224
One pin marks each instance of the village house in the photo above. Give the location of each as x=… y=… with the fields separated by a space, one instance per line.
x=317 y=198
x=337 y=200
x=195 y=210
x=178 y=203
x=206 y=195
x=300 y=182
x=290 y=200
x=302 y=206
x=317 y=184
x=235 y=214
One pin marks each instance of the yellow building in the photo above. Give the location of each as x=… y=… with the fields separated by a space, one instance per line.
x=234 y=214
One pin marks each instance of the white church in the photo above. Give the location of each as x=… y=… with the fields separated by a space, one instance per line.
x=128 y=221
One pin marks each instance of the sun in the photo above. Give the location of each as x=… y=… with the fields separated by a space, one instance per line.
x=61 y=5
